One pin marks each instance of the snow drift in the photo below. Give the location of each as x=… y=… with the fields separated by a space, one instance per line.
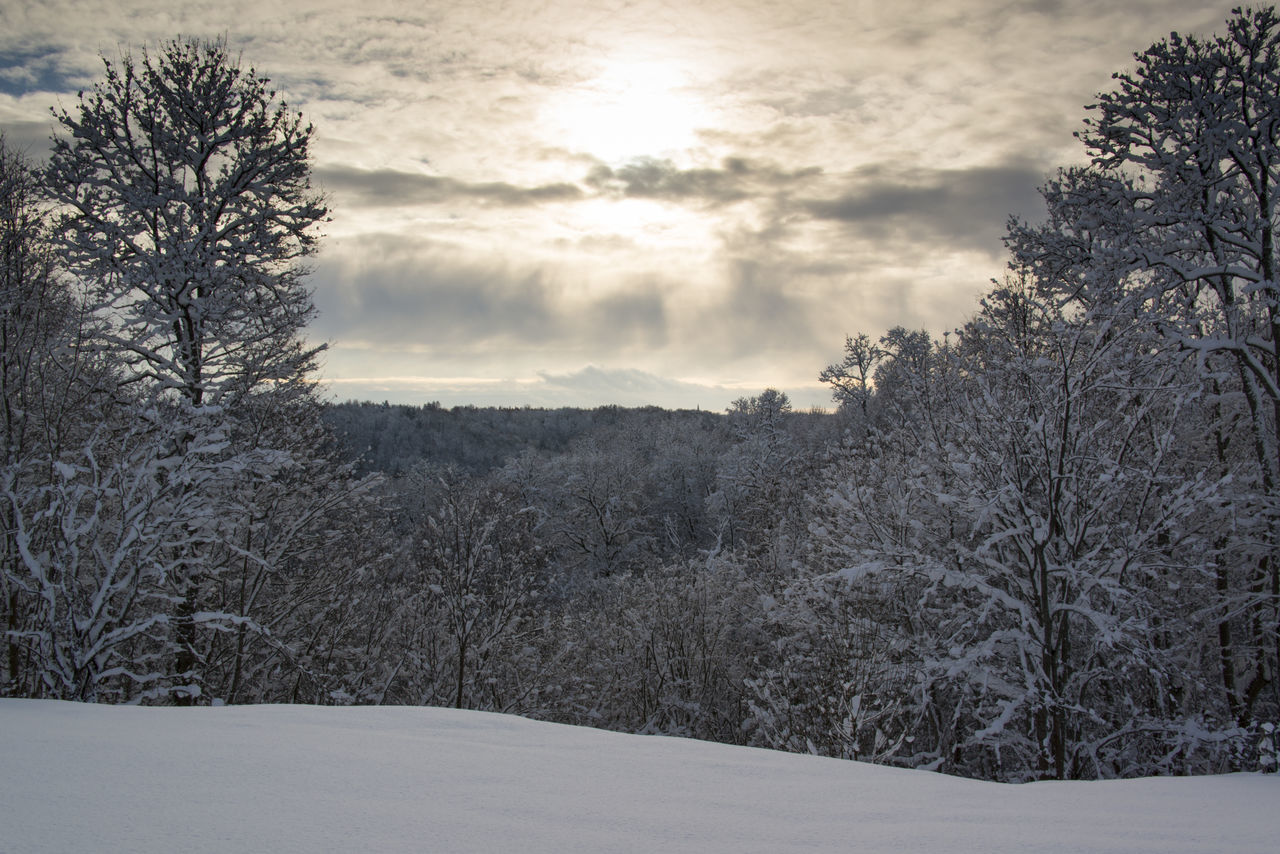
x=307 y=779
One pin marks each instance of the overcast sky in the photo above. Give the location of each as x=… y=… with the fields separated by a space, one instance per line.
x=554 y=202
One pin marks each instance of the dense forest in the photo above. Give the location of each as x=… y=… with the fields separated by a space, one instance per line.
x=1044 y=545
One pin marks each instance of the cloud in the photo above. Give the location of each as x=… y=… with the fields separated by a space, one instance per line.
x=400 y=296
x=759 y=314
x=634 y=319
x=31 y=138
x=850 y=167
x=588 y=386
x=33 y=68
x=393 y=188
x=628 y=387
x=967 y=207
x=400 y=309
x=736 y=179
x=442 y=299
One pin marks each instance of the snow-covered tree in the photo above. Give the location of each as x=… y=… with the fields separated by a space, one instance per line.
x=99 y=539
x=469 y=581
x=1083 y=533
x=666 y=651
x=1178 y=215
x=36 y=305
x=1028 y=555
x=759 y=503
x=185 y=185
x=185 y=208
x=851 y=377
x=596 y=506
x=38 y=389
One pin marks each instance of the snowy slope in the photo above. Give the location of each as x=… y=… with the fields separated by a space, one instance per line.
x=304 y=779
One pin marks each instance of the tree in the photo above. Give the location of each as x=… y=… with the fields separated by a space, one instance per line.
x=98 y=527
x=187 y=211
x=472 y=577
x=35 y=303
x=1028 y=573
x=89 y=500
x=665 y=651
x=758 y=503
x=1084 y=539
x=598 y=511
x=186 y=187
x=1177 y=217
x=36 y=319
x=850 y=378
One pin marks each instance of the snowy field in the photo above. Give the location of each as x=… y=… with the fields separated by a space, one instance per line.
x=305 y=779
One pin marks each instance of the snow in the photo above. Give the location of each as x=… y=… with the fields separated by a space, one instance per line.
x=385 y=779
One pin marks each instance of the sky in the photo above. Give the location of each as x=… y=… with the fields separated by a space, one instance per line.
x=307 y=779
x=587 y=202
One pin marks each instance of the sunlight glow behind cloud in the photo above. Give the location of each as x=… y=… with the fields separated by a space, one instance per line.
x=720 y=190
x=632 y=108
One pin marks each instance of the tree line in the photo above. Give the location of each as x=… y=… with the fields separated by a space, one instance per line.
x=1041 y=546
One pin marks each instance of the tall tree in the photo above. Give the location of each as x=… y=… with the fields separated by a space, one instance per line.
x=185 y=182
x=1178 y=216
x=186 y=208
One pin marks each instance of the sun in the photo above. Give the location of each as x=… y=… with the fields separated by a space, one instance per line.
x=632 y=108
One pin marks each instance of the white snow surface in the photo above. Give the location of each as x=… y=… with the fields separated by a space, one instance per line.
x=306 y=779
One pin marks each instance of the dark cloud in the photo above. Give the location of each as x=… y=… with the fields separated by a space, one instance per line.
x=736 y=179
x=401 y=296
x=391 y=188
x=760 y=312
x=759 y=318
x=603 y=244
x=966 y=207
x=435 y=298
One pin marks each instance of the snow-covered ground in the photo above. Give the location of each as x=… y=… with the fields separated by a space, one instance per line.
x=297 y=778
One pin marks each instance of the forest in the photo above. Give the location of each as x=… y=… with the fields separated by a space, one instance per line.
x=1041 y=546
